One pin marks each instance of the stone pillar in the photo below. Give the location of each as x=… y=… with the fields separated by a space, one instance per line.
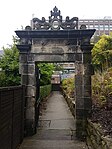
x=83 y=90
x=27 y=71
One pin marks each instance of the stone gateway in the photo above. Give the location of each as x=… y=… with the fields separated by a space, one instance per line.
x=56 y=40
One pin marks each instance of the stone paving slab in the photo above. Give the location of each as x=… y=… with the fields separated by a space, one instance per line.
x=57 y=127
x=53 y=144
x=52 y=134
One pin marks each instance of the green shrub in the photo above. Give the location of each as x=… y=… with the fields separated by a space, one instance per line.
x=68 y=86
x=102 y=88
x=45 y=91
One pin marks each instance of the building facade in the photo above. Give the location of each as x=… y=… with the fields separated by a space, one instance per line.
x=102 y=26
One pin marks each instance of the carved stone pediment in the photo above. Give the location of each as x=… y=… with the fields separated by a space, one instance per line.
x=55 y=22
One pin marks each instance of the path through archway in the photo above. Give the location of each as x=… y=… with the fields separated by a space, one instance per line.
x=56 y=40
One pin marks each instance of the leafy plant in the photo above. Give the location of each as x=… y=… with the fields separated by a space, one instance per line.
x=102 y=88
x=9 y=64
x=45 y=91
x=46 y=70
x=102 y=53
x=68 y=86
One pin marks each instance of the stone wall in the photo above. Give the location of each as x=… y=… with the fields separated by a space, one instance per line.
x=96 y=138
x=70 y=101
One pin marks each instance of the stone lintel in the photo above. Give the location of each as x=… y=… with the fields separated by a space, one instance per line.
x=67 y=57
x=50 y=57
x=59 y=34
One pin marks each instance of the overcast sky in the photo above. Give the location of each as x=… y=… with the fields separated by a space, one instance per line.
x=17 y=13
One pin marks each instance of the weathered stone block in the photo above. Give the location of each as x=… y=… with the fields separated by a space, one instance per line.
x=30 y=127
x=87 y=103
x=79 y=91
x=23 y=68
x=30 y=57
x=80 y=131
x=79 y=69
x=87 y=58
x=86 y=48
x=79 y=103
x=31 y=91
x=97 y=138
x=24 y=48
x=87 y=80
x=31 y=69
x=78 y=57
x=20 y=68
x=30 y=103
x=27 y=69
x=88 y=69
x=51 y=58
x=28 y=80
x=23 y=58
x=71 y=57
x=82 y=79
x=79 y=80
x=87 y=91
x=82 y=113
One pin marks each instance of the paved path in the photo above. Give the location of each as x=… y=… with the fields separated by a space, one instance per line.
x=57 y=127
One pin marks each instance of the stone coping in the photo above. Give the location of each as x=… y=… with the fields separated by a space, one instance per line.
x=96 y=138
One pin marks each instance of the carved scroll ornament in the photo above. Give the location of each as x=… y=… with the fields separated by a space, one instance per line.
x=55 y=22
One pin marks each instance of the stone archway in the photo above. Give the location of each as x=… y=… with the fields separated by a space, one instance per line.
x=56 y=40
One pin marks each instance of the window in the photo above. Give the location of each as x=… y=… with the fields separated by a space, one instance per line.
x=110 y=26
x=96 y=26
x=106 y=27
x=96 y=21
x=91 y=26
x=81 y=21
x=101 y=27
x=86 y=21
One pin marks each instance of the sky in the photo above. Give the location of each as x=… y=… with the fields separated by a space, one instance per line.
x=15 y=14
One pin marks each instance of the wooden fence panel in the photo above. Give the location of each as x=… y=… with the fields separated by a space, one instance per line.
x=11 y=117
